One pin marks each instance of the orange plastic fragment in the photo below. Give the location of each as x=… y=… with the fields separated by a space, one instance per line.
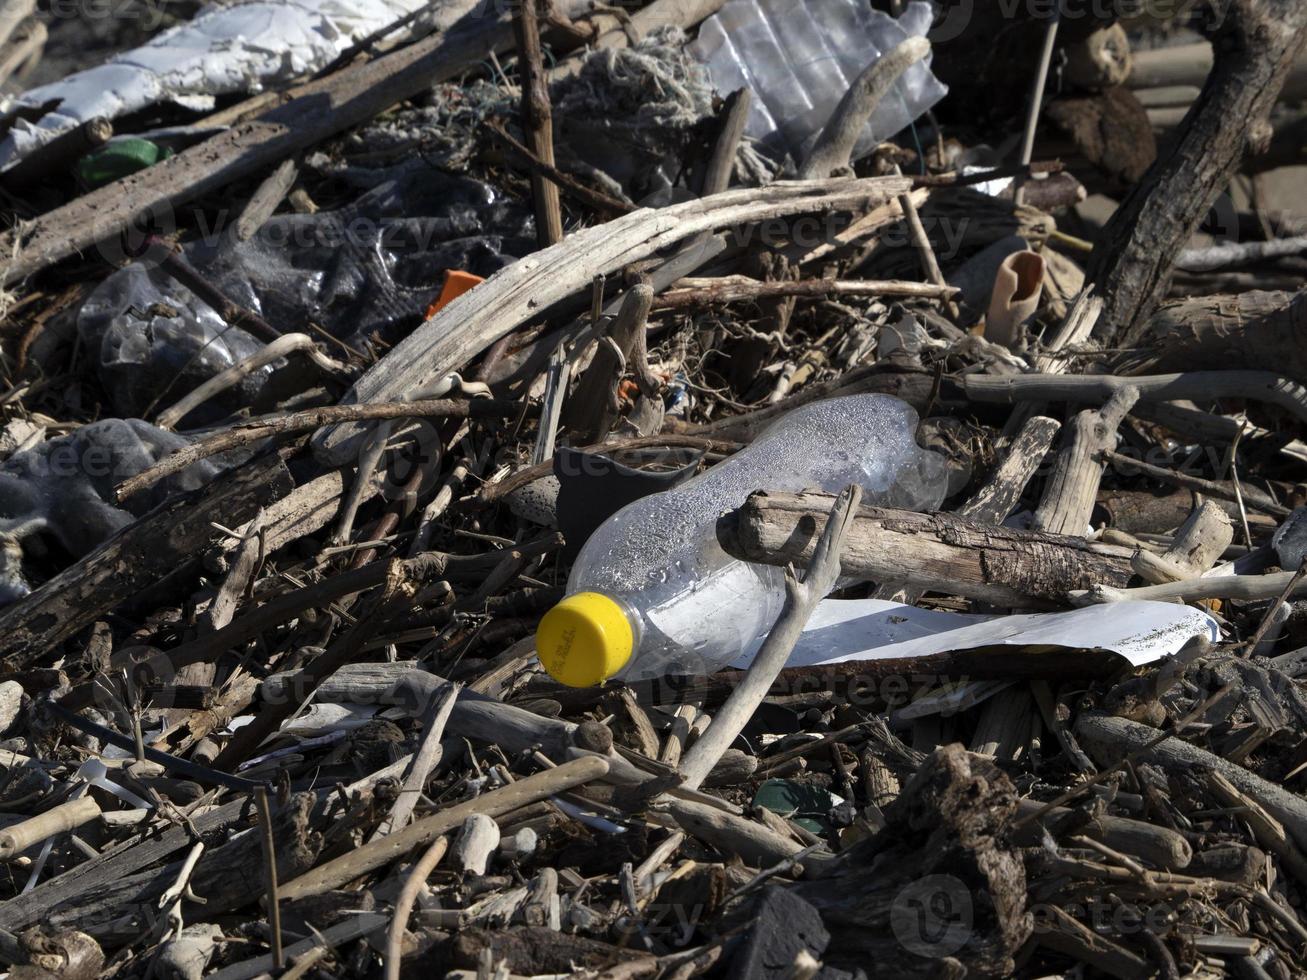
x=456 y=284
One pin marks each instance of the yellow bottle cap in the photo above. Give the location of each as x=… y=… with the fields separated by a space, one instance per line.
x=584 y=640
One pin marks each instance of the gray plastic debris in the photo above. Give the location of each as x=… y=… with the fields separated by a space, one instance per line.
x=1290 y=540
x=801 y=57
x=236 y=47
x=369 y=268
x=63 y=488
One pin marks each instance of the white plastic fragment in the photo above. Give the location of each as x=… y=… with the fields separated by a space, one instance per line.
x=872 y=629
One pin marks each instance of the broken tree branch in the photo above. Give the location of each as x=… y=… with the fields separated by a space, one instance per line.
x=1134 y=256
x=801 y=599
x=939 y=552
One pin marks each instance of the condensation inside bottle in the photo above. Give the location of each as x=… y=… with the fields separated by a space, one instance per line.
x=698 y=607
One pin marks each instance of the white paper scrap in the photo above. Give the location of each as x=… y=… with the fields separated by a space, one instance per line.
x=873 y=629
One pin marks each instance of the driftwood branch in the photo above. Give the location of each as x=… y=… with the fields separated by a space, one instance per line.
x=1108 y=739
x=1134 y=255
x=376 y=854
x=501 y=304
x=834 y=147
x=1072 y=487
x=734 y=289
x=938 y=552
x=1200 y=385
x=537 y=118
x=801 y=599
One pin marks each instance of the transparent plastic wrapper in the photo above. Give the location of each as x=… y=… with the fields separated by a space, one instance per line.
x=366 y=270
x=653 y=593
x=800 y=56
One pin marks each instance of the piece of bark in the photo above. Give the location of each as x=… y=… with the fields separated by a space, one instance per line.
x=1255 y=46
x=943 y=850
x=1110 y=129
x=938 y=552
x=1072 y=487
x=995 y=501
x=160 y=544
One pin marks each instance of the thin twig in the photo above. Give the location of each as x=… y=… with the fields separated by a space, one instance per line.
x=424 y=760
x=537 y=119
x=801 y=599
x=270 y=867
x=404 y=903
x=307 y=421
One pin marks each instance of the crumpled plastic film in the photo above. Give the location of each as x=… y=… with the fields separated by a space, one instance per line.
x=238 y=47
x=800 y=56
x=365 y=271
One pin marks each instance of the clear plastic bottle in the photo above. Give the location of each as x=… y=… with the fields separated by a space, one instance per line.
x=653 y=593
x=801 y=56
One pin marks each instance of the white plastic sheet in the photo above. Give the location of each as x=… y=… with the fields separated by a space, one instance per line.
x=872 y=629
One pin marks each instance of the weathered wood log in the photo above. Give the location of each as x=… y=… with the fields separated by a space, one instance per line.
x=1262 y=386
x=1256 y=330
x=938 y=552
x=1072 y=487
x=1197 y=546
x=1159 y=846
x=1133 y=258
x=161 y=543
